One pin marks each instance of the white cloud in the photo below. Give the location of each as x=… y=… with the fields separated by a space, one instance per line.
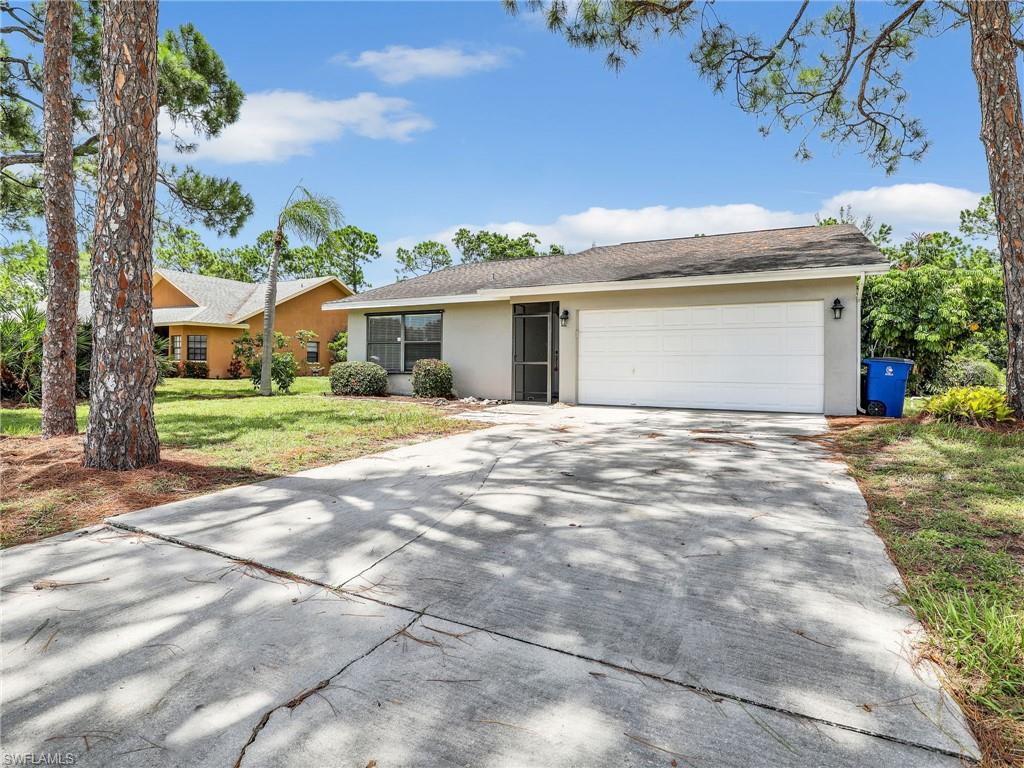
x=276 y=125
x=907 y=207
x=917 y=207
x=399 y=63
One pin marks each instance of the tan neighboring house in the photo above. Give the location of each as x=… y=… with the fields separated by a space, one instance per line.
x=201 y=316
x=755 y=321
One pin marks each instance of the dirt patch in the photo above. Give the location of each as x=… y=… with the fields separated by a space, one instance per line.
x=47 y=491
x=726 y=441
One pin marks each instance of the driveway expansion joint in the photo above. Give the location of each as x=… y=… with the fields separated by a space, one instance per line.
x=420 y=613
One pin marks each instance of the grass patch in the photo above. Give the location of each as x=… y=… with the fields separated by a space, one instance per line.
x=949 y=502
x=213 y=434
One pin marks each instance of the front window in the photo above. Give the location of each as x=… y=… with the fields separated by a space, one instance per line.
x=313 y=352
x=197 y=348
x=175 y=347
x=396 y=342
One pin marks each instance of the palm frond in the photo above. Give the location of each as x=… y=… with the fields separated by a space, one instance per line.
x=311 y=217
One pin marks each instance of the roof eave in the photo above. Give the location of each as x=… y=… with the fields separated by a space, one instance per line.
x=499 y=294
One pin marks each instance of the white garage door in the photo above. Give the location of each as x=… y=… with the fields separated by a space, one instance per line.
x=750 y=357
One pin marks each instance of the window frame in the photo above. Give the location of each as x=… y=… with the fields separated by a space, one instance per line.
x=314 y=347
x=205 y=345
x=176 y=347
x=401 y=344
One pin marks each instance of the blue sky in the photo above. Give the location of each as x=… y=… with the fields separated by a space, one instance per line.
x=421 y=117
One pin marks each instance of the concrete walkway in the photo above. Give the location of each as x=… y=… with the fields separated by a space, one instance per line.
x=574 y=586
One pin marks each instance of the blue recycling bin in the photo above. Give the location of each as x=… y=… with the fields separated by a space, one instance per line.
x=885 y=385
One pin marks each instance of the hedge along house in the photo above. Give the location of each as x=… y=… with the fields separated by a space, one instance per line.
x=760 y=321
x=201 y=316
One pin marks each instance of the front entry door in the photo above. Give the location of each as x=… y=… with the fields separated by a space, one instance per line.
x=531 y=357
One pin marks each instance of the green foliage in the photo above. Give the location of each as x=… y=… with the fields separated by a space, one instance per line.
x=342 y=254
x=21 y=355
x=481 y=246
x=879 y=234
x=283 y=370
x=940 y=295
x=970 y=370
x=422 y=258
x=975 y=404
x=432 y=378
x=195 y=369
x=22 y=274
x=310 y=216
x=358 y=378
x=981 y=221
x=339 y=347
x=194 y=91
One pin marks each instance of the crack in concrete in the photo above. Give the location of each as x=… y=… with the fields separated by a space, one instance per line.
x=692 y=687
x=301 y=697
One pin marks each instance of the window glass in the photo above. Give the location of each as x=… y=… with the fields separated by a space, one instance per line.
x=175 y=347
x=396 y=342
x=384 y=329
x=423 y=327
x=197 y=348
x=313 y=352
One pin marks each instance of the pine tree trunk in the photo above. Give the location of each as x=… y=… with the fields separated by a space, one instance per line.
x=122 y=432
x=269 y=305
x=993 y=58
x=59 y=339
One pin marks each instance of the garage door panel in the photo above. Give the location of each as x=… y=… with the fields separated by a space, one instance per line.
x=767 y=356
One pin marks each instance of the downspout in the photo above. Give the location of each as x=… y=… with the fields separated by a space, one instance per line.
x=860 y=320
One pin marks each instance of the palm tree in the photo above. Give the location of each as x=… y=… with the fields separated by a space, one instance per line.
x=310 y=217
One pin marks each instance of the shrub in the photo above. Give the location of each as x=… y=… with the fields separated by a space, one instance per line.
x=21 y=355
x=196 y=369
x=358 y=378
x=964 y=371
x=283 y=370
x=315 y=369
x=975 y=404
x=339 y=347
x=432 y=378
x=235 y=368
x=173 y=369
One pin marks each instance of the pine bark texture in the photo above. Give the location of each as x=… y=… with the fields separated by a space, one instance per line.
x=59 y=339
x=269 y=305
x=122 y=431
x=994 y=60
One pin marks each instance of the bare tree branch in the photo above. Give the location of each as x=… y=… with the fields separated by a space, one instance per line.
x=87 y=147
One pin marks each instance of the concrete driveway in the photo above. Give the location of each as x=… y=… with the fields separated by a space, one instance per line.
x=574 y=586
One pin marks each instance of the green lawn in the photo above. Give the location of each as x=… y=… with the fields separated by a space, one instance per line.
x=949 y=503
x=228 y=422
x=213 y=434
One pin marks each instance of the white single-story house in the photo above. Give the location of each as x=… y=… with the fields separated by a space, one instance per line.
x=759 y=321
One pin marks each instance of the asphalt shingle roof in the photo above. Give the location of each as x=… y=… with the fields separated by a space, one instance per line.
x=220 y=301
x=838 y=245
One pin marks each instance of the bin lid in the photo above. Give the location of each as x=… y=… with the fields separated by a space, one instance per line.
x=888 y=360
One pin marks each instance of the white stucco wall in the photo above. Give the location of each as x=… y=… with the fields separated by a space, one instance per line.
x=476 y=341
x=477 y=337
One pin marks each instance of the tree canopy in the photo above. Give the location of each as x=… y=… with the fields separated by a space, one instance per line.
x=194 y=90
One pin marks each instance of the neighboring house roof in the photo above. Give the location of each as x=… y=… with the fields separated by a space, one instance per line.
x=217 y=301
x=775 y=250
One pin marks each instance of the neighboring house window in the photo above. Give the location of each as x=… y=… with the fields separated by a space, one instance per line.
x=197 y=348
x=313 y=352
x=175 y=347
x=396 y=342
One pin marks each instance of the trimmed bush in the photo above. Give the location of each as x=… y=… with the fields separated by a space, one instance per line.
x=432 y=378
x=358 y=378
x=964 y=371
x=974 y=404
x=196 y=369
x=173 y=369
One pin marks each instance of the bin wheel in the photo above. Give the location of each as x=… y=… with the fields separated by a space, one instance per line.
x=876 y=408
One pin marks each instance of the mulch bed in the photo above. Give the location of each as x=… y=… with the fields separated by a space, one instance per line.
x=46 y=490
